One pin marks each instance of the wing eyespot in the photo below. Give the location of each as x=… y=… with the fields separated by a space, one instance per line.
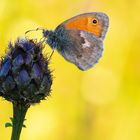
x=95 y=21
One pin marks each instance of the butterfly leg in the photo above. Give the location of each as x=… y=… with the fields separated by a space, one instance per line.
x=51 y=54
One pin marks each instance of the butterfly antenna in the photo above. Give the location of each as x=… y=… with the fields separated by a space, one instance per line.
x=34 y=30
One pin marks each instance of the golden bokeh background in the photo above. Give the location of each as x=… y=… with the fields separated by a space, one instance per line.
x=102 y=103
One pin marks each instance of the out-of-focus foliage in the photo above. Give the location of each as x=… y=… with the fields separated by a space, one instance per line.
x=102 y=103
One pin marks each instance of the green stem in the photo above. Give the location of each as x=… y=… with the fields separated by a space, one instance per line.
x=19 y=113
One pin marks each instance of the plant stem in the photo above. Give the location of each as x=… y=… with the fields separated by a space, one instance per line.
x=19 y=113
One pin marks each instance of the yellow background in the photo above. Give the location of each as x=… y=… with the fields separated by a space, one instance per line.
x=102 y=103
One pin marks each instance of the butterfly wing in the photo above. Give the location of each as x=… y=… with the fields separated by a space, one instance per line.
x=80 y=39
x=81 y=48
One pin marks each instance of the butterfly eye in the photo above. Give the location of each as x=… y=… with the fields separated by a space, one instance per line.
x=94 y=21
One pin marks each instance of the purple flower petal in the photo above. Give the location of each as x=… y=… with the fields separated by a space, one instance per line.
x=36 y=72
x=8 y=84
x=18 y=61
x=23 y=78
x=28 y=59
x=5 y=68
x=26 y=46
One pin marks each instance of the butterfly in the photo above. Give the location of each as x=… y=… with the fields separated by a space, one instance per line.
x=80 y=39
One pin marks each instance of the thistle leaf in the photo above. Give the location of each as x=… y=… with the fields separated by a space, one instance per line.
x=8 y=124
x=11 y=119
x=24 y=125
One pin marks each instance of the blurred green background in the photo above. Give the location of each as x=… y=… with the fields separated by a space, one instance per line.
x=102 y=103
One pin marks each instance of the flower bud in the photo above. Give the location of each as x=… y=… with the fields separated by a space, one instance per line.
x=24 y=74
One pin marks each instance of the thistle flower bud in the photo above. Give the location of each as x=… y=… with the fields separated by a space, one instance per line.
x=24 y=74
